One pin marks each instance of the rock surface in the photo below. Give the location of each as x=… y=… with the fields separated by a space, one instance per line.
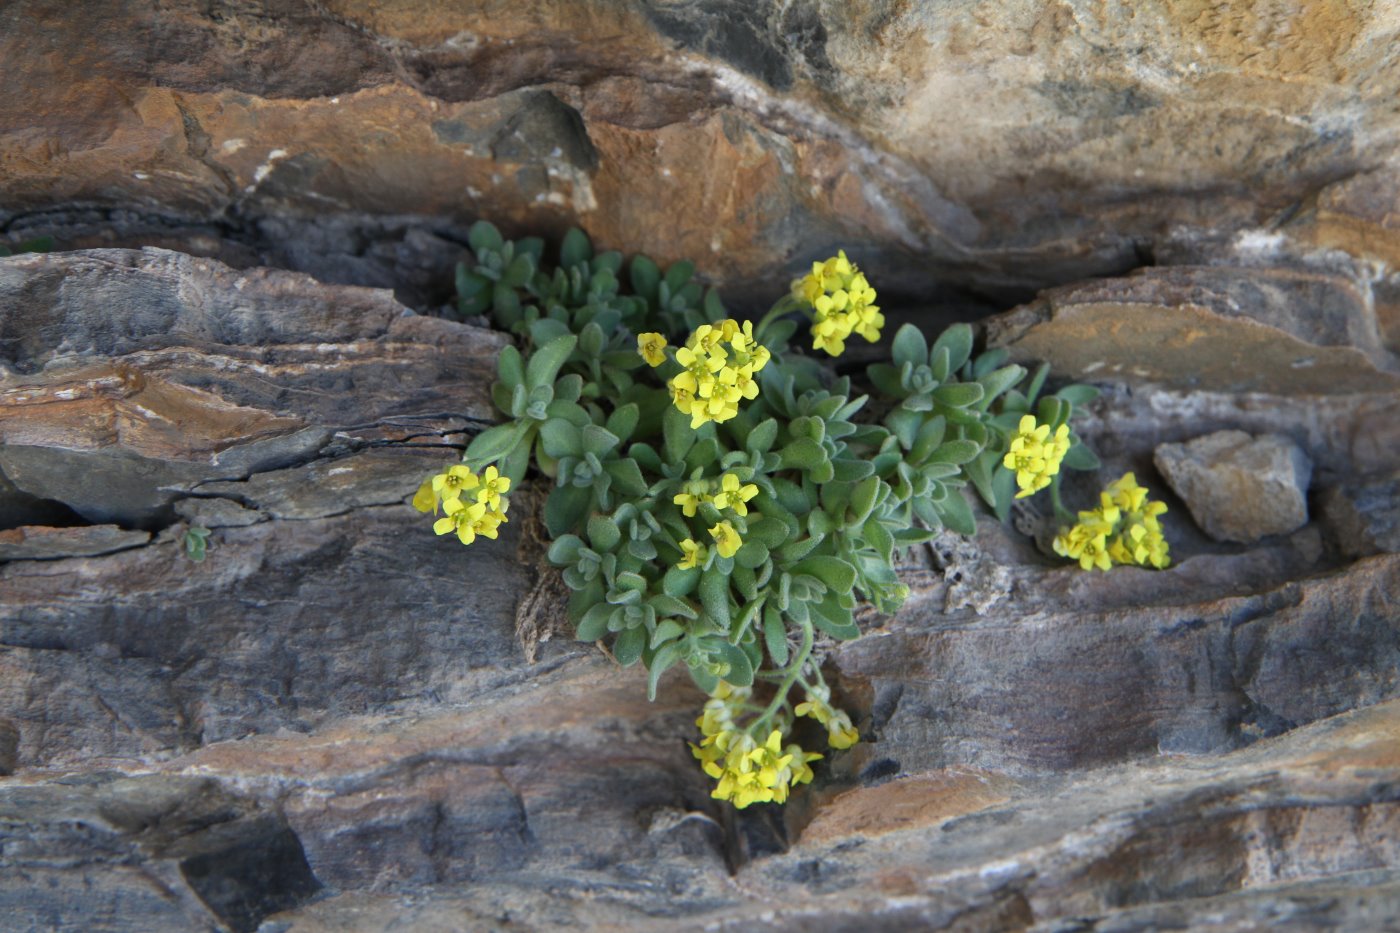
x=339 y=700
x=339 y=722
x=1239 y=487
x=994 y=148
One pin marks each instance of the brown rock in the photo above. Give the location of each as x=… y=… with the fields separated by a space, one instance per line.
x=32 y=542
x=1274 y=331
x=131 y=377
x=1003 y=149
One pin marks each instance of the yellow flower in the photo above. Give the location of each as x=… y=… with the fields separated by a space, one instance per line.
x=1034 y=455
x=493 y=484
x=727 y=540
x=460 y=518
x=452 y=482
x=733 y=495
x=652 y=348
x=694 y=554
x=425 y=500
x=1126 y=493
x=840 y=733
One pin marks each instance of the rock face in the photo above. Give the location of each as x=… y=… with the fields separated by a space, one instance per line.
x=333 y=723
x=1238 y=487
x=992 y=147
x=340 y=722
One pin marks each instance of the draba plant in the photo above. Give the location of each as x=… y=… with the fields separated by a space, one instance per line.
x=722 y=501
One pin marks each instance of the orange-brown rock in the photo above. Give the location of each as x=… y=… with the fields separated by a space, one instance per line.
x=998 y=147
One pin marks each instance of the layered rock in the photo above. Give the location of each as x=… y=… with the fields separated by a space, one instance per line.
x=993 y=148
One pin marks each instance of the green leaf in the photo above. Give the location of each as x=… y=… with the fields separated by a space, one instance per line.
x=678 y=274
x=1004 y=487
x=545 y=362
x=803 y=454
x=1037 y=383
x=775 y=636
x=957 y=514
x=761 y=438
x=493 y=443
x=834 y=619
x=510 y=368
x=714 y=596
x=564 y=550
x=956 y=452
x=663 y=661
x=566 y=508
x=998 y=381
x=989 y=361
x=798 y=548
x=904 y=424
x=645 y=277
x=957 y=340
x=678 y=437
x=669 y=606
x=627 y=649
x=847 y=470
x=929 y=437
x=863 y=499
x=886 y=378
x=603 y=533
x=768 y=531
x=598 y=441
x=678 y=582
x=623 y=421
x=627 y=476
x=518 y=272
x=1078 y=394
x=910 y=346
x=594 y=624
x=879 y=537
x=959 y=394
x=1053 y=412
x=706 y=681
x=576 y=249
x=752 y=554
x=833 y=571
x=561 y=439
x=1080 y=457
x=740 y=667
x=484 y=237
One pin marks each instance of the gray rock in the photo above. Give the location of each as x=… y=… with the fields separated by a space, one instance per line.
x=38 y=542
x=217 y=513
x=1237 y=486
x=1363 y=517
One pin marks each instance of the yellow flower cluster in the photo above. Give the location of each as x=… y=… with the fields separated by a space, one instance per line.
x=1035 y=454
x=843 y=302
x=840 y=732
x=472 y=505
x=720 y=362
x=1122 y=530
x=732 y=495
x=748 y=772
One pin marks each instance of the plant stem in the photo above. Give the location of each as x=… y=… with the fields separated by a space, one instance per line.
x=783 y=305
x=793 y=672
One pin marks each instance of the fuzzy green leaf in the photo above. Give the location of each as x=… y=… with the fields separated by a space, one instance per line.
x=680 y=582
x=493 y=443
x=594 y=624
x=775 y=636
x=959 y=394
x=559 y=438
x=910 y=346
x=576 y=249
x=565 y=509
x=627 y=649
x=957 y=340
x=484 y=237
x=603 y=533
x=714 y=596
x=838 y=575
x=545 y=362
x=1080 y=457
x=627 y=477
